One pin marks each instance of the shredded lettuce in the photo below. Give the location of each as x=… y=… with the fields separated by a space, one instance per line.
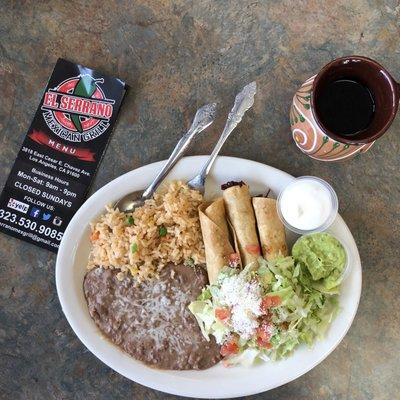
x=204 y=312
x=304 y=314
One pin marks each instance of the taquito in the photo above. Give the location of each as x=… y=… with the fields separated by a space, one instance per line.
x=214 y=228
x=270 y=228
x=241 y=216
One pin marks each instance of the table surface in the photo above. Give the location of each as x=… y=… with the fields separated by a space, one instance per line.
x=176 y=56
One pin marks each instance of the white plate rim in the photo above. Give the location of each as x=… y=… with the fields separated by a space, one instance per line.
x=68 y=248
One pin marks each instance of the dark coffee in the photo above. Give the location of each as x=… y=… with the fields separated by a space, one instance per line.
x=345 y=107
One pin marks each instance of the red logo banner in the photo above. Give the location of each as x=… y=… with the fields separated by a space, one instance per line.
x=81 y=154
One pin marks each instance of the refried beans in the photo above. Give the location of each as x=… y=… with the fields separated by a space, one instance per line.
x=150 y=320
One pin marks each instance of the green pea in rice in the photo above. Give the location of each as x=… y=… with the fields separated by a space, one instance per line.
x=174 y=207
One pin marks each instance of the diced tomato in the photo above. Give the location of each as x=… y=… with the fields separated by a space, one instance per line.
x=234 y=259
x=276 y=301
x=263 y=334
x=94 y=236
x=264 y=331
x=253 y=249
x=229 y=348
x=263 y=344
x=269 y=302
x=222 y=313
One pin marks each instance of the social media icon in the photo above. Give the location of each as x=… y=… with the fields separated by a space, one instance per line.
x=35 y=212
x=57 y=221
x=46 y=216
x=18 y=205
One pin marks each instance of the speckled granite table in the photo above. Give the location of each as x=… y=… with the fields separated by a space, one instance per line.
x=177 y=55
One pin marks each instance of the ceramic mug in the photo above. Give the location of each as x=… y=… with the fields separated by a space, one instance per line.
x=313 y=138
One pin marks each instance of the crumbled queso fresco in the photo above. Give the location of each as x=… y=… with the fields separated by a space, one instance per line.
x=244 y=300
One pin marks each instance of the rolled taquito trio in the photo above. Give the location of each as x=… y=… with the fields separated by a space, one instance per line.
x=241 y=216
x=217 y=244
x=270 y=228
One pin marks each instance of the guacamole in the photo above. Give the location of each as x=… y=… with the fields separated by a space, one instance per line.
x=324 y=258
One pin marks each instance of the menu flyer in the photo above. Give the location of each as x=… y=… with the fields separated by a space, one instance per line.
x=60 y=154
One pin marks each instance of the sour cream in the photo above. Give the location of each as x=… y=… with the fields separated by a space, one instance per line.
x=307 y=204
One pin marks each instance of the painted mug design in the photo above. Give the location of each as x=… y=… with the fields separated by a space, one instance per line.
x=318 y=142
x=310 y=138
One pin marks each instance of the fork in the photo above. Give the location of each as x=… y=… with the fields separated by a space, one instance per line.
x=243 y=101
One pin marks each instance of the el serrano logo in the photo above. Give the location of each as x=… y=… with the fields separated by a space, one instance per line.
x=77 y=109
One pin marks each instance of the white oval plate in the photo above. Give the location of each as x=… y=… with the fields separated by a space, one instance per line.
x=218 y=381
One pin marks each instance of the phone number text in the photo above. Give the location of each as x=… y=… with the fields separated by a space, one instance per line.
x=31 y=225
